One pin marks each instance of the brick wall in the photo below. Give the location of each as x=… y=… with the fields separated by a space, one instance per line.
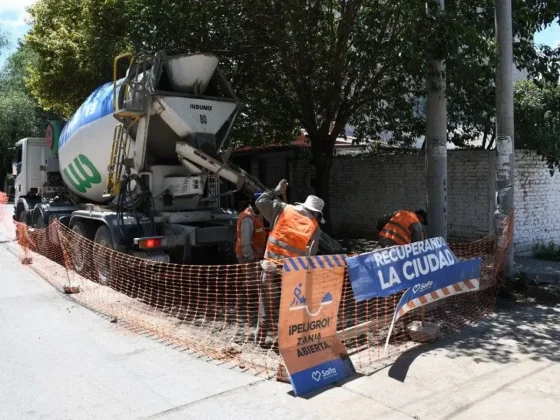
x=537 y=203
x=363 y=188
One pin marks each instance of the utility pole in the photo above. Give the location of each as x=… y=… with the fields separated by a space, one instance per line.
x=504 y=127
x=436 y=147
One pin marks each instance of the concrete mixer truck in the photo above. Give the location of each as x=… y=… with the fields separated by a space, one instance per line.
x=138 y=167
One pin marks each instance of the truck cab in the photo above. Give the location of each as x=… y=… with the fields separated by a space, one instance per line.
x=31 y=156
x=37 y=179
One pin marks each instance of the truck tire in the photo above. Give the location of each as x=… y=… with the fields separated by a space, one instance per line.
x=22 y=215
x=81 y=249
x=103 y=252
x=39 y=222
x=42 y=235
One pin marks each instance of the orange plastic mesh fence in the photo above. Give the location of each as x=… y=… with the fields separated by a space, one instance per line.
x=3 y=200
x=7 y=232
x=213 y=311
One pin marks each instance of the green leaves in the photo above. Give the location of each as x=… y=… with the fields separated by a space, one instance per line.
x=18 y=118
x=307 y=63
x=300 y=63
x=76 y=42
x=537 y=120
x=19 y=114
x=3 y=42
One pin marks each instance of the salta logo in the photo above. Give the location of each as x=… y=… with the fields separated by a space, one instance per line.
x=318 y=375
x=417 y=288
x=82 y=174
x=422 y=286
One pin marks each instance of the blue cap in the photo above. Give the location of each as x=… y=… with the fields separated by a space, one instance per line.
x=257 y=195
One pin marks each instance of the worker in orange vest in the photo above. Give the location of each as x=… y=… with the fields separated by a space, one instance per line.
x=251 y=234
x=295 y=233
x=402 y=227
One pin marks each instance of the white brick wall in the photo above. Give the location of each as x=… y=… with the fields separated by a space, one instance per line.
x=363 y=188
x=537 y=203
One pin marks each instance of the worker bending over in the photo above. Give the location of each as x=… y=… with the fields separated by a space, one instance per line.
x=295 y=232
x=401 y=227
x=251 y=234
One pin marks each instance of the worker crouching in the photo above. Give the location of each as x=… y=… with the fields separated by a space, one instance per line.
x=295 y=232
x=402 y=227
x=251 y=234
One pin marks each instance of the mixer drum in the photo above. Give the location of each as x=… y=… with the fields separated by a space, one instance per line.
x=84 y=147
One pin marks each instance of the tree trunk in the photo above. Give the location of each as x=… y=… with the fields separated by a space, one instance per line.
x=484 y=139
x=492 y=140
x=322 y=149
x=322 y=190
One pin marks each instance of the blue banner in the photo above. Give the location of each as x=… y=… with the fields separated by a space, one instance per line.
x=456 y=275
x=387 y=271
x=455 y=279
x=327 y=373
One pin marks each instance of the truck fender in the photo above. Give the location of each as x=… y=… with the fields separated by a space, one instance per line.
x=22 y=202
x=65 y=220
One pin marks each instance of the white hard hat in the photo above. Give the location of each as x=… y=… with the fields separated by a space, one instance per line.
x=314 y=203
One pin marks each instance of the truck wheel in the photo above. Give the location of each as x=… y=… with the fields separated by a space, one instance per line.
x=22 y=215
x=39 y=222
x=81 y=248
x=42 y=234
x=102 y=255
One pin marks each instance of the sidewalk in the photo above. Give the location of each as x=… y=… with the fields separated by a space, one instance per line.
x=62 y=361
x=544 y=272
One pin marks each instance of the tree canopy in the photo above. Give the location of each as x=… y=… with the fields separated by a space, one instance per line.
x=298 y=63
x=3 y=42
x=537 y=119
x=20 y=115
x=75 y=42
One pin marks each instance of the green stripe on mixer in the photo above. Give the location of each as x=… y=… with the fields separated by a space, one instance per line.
x=78 y=177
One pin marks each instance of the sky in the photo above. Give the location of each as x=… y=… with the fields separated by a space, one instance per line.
x=13 y=20
x=550 y=36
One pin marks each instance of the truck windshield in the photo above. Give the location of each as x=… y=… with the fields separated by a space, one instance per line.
x=18 y=158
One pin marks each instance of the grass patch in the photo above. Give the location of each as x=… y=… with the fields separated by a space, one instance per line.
x=523 y=290
x=550 y=252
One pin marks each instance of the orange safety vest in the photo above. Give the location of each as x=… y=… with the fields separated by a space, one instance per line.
x=398 y=229
x=258 y=241
x=291 y=235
